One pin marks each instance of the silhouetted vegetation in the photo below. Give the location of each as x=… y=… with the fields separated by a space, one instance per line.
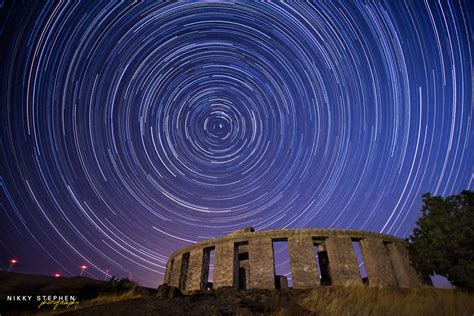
x=120 y=286
x=443 y=241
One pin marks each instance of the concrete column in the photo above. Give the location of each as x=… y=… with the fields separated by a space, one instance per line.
x=377 y=262
x=262 y=267
x=304 y=269
x=343 y=266
x=183 y=278
x=245 y=264
x=405 y=274
x=195 y=270
x=225 y=265
x=176 y=271
x=166 y=278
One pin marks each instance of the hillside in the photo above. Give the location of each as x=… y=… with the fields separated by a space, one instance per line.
x=103 y=298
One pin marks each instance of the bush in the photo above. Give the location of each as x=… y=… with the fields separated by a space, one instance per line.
x=120 y=286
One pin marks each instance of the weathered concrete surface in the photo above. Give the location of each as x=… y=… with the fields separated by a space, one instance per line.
x=405 y=274
x=304 y=270
x=385 y=257
x=226 y=265
x=377 y=262
x=195 y=270
x=244 y=235
x=183 y=278
x=241 y=231
x=343 y=265
x=262 y=268
x=167 y=276
x=176 y=271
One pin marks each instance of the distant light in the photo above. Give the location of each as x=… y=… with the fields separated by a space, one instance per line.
x=83 y=267
x=12 y=262
x=57 y=275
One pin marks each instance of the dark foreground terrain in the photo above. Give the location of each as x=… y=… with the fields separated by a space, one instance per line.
x=120 y=297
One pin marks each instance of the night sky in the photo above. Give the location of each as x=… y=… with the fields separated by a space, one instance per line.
x=131 y=130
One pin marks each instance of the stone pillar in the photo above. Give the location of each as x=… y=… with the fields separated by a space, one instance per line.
x=377 y=262
x=405 y=274
x=183 y=278
x=195 y=270
x=304 y=269
x=343 y=265
x=176 y=271
x=262 y=267
x=225 y=265
x=166 y=278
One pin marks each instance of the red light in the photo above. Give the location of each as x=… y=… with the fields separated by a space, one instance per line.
x=57 y=275
x=83 y=267
x=13 y=261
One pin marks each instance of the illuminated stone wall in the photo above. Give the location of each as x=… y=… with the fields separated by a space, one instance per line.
x=245 y=259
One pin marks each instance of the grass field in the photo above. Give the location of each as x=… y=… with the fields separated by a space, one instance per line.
x=121 y=297
x=386 y=301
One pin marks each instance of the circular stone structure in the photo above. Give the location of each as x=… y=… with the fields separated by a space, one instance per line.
x=318 y=257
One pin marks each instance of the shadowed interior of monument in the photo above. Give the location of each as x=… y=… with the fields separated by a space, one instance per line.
x=280 y=259
x=322 y=261
x=244 y=268
x=207 y=274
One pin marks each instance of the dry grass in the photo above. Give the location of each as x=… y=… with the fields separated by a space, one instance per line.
x=337 y=301
x=386 y=301
x=99 y=300
x=111 y=298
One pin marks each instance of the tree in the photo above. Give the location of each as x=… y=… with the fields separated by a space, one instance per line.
x=443 y=240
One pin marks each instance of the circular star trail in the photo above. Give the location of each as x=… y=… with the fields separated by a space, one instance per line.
x=130 y=130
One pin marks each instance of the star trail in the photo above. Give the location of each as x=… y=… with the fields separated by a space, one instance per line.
x=130 y=130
